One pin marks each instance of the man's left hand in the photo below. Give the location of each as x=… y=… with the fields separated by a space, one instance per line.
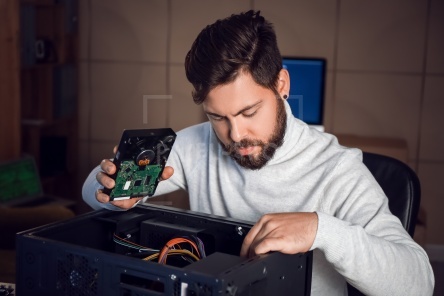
x=288 y=233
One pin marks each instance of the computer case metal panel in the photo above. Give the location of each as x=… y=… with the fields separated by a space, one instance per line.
x=79 y=257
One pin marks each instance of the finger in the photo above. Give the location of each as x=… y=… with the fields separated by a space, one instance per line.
x=115 y=149
x=271 y=238
x=269 y=244
x=105 y=180
x=101 y=197
x=287 y=233
x=251 y=237
x=167 y=173
x=245 y=248
x=108 y=166
x=127 y=203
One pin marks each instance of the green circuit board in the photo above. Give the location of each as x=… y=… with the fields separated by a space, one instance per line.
x=140 y=159
x=133 y=180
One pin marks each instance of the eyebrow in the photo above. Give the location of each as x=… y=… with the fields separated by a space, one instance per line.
x=239 y=112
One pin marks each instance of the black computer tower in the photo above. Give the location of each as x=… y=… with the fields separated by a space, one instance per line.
x=82 y=256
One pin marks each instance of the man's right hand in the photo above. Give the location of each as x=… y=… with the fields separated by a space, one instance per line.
x=104 y=179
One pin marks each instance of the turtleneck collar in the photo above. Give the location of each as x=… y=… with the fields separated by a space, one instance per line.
x=293 y=133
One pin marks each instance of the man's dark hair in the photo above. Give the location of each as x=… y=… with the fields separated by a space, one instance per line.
x=241 y=42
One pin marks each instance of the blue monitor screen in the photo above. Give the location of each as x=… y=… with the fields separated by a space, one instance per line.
x=307 y=79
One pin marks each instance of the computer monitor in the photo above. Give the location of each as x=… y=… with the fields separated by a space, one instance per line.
x=307 y=83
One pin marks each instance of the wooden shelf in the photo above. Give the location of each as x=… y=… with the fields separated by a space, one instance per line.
x=9 y=81
x=38 y=54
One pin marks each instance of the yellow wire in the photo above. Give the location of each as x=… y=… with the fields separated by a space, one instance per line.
x=132 y=243
x=173 y=242
x=173 y=252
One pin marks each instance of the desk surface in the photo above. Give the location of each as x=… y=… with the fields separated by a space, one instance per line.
x=394 y=147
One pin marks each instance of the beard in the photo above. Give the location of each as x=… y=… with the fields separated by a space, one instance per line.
x=268 y=149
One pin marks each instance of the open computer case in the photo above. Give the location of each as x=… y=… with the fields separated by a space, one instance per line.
x=106 y=253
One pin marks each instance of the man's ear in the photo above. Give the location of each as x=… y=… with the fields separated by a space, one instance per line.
x=283 y=86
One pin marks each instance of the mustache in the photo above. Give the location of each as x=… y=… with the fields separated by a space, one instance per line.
x=232 y=147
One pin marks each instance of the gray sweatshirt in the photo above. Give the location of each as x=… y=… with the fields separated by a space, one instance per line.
x=358 y=239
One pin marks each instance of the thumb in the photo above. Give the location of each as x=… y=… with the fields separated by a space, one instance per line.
x=167 y=173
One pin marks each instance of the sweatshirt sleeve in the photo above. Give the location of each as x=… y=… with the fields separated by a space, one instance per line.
x=90 y=186
x=366 y=243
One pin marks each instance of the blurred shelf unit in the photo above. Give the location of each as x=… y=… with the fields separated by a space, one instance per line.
x=49 y=88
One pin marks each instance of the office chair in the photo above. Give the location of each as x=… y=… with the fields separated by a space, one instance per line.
x=402 y=187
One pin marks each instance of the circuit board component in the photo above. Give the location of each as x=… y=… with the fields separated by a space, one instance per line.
x=140 y=160
x=136 y=180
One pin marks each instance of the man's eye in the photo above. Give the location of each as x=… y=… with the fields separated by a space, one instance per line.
x=216 y=118
x=249 y=114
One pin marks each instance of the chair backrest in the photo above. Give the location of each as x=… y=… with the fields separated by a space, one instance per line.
x=402 y=188
x=401 y=185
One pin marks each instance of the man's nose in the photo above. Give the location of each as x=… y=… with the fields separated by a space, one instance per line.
x=237 y=130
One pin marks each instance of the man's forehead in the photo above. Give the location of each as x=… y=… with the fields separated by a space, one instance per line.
x=235 y=96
